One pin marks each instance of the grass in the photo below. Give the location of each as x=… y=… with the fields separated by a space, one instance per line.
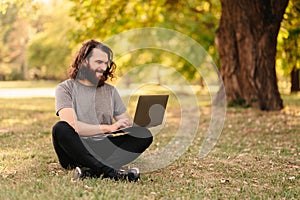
x=257 y=157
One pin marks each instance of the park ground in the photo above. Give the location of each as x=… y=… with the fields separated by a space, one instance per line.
x=257 y=156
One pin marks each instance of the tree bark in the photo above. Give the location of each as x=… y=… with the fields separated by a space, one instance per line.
x=246 y=40
x=295 y=82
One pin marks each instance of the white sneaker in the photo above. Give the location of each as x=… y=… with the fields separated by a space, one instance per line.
x=77 y=174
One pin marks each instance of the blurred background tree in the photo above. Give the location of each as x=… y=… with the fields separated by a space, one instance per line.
x=50 y=50
x=288 y=46
x=35 y=39
x=197 y=19
x=14 y=37
x=55 y=30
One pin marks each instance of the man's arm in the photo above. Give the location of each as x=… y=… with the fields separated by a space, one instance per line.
x=85 y=129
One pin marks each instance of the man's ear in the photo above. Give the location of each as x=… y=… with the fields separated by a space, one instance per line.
x=85 y=62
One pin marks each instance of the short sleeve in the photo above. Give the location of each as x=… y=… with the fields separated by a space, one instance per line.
x=63 y=97
x=119 y=107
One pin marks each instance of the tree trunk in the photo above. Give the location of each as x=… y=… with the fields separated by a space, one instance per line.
x=246 y=40
x=295 y=87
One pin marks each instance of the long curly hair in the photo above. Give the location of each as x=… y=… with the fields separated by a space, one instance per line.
x=84 y=53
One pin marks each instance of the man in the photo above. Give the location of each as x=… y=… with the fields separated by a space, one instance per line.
x=90 y=109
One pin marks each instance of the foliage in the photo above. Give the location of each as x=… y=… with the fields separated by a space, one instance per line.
x=49 y=51
x=22 y=5
x=38 y=36
x=13 y=39
x=35 y=39
x=196 y=19
x=289 y=40
x=15 y=18
x=7 y=27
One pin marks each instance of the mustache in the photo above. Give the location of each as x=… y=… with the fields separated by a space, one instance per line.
x=100 y=70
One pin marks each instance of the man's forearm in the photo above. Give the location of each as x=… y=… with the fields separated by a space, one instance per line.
x=85 y=129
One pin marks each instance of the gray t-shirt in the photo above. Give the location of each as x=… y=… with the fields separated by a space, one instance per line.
x=92 y=105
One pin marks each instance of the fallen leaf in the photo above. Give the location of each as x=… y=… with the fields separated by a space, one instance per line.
x=292 y=178
x=224 y=180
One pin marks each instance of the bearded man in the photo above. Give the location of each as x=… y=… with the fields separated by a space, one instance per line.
x=89 y=110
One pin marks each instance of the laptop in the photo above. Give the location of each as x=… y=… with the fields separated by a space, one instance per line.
x=150 y=111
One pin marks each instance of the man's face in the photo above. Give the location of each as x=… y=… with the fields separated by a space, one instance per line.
x=97 y=65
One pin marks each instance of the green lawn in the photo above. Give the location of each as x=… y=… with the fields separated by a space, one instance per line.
x=257 y=157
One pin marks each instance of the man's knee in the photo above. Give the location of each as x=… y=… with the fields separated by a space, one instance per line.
x=140 y=132
x=60 y=129
x=148 y=137
x=144 y=134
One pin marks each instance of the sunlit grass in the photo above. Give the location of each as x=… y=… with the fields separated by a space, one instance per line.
x=256 y=157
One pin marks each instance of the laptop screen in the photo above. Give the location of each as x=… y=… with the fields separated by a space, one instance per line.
x=150 y=110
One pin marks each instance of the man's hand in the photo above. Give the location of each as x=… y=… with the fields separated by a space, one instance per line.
x=122 y=123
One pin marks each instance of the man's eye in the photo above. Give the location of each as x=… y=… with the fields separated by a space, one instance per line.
x=101 y=62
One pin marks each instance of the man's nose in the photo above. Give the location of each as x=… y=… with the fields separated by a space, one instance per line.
x=103 y=66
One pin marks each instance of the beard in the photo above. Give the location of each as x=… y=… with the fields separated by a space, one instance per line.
x=101 y=81
x=87 y=73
